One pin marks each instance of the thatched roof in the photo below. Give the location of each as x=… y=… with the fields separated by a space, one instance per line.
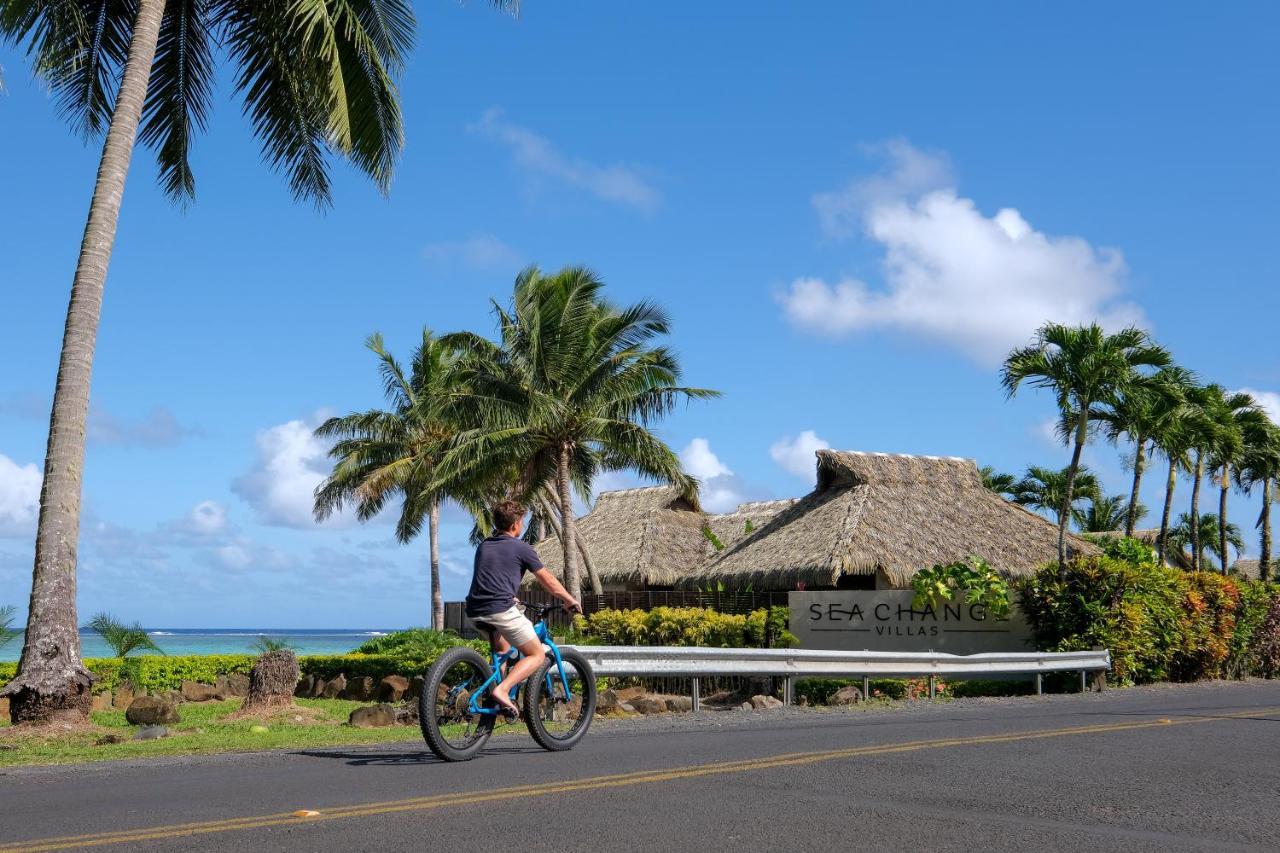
x=729 y=527
x=895 y=513
x=647 y=536
x=1249 y=569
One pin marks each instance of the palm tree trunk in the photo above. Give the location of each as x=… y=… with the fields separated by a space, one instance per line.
x=1064 y=515
x=568 y=527
x=1195 y=512
x=52 y=683
x=437 y=597
x=1222 y=515
x=1168 y=508
x=1139 y=464
x=592 y=577
x=1264 y=559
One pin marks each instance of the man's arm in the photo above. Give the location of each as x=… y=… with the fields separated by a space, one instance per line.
x=553 y=586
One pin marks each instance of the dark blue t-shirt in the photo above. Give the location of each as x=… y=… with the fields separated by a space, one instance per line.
x=501 y=560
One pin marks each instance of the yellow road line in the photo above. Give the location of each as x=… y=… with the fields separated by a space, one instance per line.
x=587 y=784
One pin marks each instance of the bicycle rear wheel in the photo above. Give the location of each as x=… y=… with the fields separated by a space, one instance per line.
x=450 y=728
x=558 y=720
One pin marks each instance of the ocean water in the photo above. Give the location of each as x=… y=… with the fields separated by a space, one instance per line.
x=216 y=641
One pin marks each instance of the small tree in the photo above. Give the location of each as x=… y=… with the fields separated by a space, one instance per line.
x=121 y=638
x=7 y=632
x=267 y=644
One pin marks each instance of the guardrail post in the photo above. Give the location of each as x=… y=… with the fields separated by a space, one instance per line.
x=1084 y=680
x=866 y=688
x=788 y=690
x=933 y=686
x=697 y=695
x=1039 y=684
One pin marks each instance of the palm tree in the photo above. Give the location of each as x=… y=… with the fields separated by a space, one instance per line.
x=380 y=454
x=1237 y=416
x=1174 y=434
x=1085 y=367
x=318 y=78
x=1261 y=466
x=1042 y=489
x=123 y=639
x=1139 y=414
x=7 y=631
x=997 y=481
x=1204 y=535
x=1106 y=514
x=568 y=393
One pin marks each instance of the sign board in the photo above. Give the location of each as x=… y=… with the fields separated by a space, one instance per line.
x=886 y=621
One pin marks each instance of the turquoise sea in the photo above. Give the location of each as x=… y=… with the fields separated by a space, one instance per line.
x=216 y=641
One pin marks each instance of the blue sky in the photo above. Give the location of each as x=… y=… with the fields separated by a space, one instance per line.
x=850 y=212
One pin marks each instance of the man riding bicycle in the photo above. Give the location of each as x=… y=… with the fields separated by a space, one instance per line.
x=501 y=561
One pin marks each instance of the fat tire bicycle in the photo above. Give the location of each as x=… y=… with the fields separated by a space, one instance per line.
x=557 y=702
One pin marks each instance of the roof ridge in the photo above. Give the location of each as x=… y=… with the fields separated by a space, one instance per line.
x=897 y=455
x=633 y=490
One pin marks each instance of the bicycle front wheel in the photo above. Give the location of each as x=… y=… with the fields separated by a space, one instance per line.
x=451 y=729
x=558 y=719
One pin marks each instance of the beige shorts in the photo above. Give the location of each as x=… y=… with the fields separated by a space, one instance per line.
x=512 y=624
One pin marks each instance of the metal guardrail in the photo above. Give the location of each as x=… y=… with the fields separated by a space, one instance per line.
x=696 y=663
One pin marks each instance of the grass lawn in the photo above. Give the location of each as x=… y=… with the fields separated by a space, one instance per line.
x=203 y=729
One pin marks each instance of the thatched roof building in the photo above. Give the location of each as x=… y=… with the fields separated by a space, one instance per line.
x=1250 y=569
x=637 y=538
x=730 y=527
x=887 y=515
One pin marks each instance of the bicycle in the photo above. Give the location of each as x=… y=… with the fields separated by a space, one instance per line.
x=557 y=702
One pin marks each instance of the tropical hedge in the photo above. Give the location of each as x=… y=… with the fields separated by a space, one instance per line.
x=1160 y=623
x=687 y=626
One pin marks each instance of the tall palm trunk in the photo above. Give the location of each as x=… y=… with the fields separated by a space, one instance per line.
x=1139 y=465
x=1064 y=514
x=592 y=577
x=568 y=527
x=1169 y=486
x=1222 y=515
x=1264 y=559
x=52 y=683
x=437 y=597
x=1195 y=512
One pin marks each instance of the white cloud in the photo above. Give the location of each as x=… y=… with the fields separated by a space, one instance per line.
x=207 y=518
x=158 y=429
x=799 y=455
x=952 y=274
x=478 y=251
x=720 y=489
x=1269 y=401
x=538 y=155
x=19 y=497
x=282 y=482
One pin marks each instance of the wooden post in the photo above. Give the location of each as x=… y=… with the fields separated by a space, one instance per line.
x=697 y=695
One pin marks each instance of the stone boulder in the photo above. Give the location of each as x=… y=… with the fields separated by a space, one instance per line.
x=306 y=687
x=124 y=695
x=679 y=704
x=847 y=695
x=194 y=691
x=232 y=684
x=626 y=694
x=373 y=716
x=152 y=711
x=407 y=715
x=765 y=703
x=415 y=688
x=392 y=688
x=359 y=689
x=333 y=689
x=102 y=702
x=648 y=705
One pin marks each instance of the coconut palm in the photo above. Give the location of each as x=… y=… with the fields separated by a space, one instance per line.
x=318 y=81
x=1261 y=467
x=382 y=454
x=997 y=481
x=1206 y=536
x=568 y=393
x=1236 y=416
x=1174 y=436
x=1106 y=514
x=1084 y=367
x=123 y=639
x=1042 y=489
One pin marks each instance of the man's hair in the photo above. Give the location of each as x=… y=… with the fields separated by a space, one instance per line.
x=506 y=514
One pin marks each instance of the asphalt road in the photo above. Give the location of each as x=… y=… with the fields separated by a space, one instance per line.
x=1165 y=768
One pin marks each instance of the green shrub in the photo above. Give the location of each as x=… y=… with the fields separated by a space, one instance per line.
x=972 y=580
x=990 y=687
x=416 y=642
x=1208 y=623
x=1245 y=656
x=687 y=626
x=819 y=690
x=1267 y=641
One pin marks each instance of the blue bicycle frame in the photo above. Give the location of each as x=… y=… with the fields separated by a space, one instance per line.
x=511 y=656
